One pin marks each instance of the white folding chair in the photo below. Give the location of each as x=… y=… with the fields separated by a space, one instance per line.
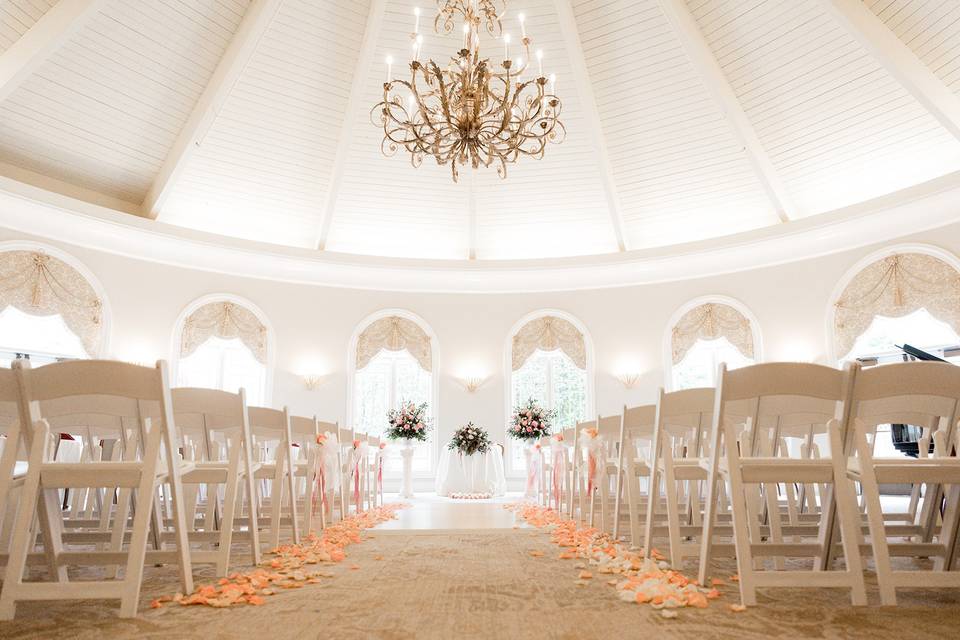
x=769 y=391
x=273 y=437
x=910 y=393
x=216 y=430
x=682 y=421
x=579 y=472
x=306 y=468
x=633 y=463
x=143 y=469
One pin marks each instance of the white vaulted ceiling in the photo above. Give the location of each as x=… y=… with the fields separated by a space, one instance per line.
x=686 y=119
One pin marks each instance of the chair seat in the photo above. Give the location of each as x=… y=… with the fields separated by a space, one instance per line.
x=772 y=469
x=99 y=474
x=894 y=470
x=207 y=472
x=689 y=468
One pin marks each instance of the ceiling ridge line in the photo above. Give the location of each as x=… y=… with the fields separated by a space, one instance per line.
x=473 y=221
x=257 y=18
x=42 y=40
x=581 y=76
x=899 y=61
x=718 y=85
x=368 y=45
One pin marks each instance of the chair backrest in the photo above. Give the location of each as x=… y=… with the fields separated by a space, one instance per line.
x=268 y=423
x=918 y=393
x=99 y=388
x=767 y=395
x=686 y=415
x=304 y=429
x=201 y=414
x=9 y=394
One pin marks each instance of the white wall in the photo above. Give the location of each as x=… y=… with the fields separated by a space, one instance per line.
x=313 y=324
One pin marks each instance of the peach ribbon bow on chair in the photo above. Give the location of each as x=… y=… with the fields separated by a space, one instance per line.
x=559 y=467
x=592 y=444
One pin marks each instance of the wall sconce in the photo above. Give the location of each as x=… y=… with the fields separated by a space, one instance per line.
x=629 y=380
x=472 y=383
x=313 y=381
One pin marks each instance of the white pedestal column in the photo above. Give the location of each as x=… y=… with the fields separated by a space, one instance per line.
x=531 y=481
x=406 y=453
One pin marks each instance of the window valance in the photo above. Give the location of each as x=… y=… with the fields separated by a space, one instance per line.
x=394 y=333
x=225 y=320
x=549 y=333
x=40 y=284
x=896 y=286
x=711 y=321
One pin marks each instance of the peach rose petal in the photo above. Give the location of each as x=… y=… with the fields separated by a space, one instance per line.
x=288 y=570
x=637 y=579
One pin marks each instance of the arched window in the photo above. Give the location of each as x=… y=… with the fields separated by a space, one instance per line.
x=224 y=342
x=706 y=332
x=393 y=358
x=51 y=307
x=550 y=360
x=906 y=295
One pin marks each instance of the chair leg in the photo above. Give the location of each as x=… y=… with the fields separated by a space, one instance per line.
x=22 y=537
x=849 y=520
x=878 y=535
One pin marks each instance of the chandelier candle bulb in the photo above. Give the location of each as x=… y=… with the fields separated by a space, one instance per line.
x=523 y=25
x=416 y=20
x=506 y=46
x=389 y=68
x=540 y=62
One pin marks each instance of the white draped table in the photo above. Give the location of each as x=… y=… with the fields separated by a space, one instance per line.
x=477 y=473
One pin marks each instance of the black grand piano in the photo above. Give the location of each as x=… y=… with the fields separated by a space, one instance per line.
x=906 y=437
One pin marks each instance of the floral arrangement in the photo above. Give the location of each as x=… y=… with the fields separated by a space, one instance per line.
x=530 y=421
x=469 y=440
x=410 y=421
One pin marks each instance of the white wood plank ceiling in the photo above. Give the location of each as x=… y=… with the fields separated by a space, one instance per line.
x=686 y=119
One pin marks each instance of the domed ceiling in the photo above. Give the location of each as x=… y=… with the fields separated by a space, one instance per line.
x=685 y=120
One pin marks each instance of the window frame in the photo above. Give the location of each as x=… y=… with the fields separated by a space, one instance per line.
x=854 y=270
x=106 y=310
x=509 y=443
x=667 y=344
x=434 y=402
x=177 y=337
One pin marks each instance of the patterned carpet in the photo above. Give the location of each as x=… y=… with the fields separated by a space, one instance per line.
x=483 y=584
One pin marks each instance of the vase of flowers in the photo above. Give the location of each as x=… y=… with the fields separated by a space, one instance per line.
x=470 y=439
x=409 y=423
x=529 y=423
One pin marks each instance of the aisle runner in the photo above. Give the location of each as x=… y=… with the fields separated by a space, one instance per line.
x=288 y=569
x=642 y=580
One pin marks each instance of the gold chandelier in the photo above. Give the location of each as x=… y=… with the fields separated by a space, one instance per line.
x=467 y=111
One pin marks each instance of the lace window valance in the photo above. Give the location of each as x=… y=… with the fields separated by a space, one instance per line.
x=549 y=334
x=711 y=321
x=225 y=320
x=896 y=286
x=39 y=284
x=394 y=333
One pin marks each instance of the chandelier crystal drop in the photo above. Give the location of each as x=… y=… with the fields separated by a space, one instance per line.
x=470 y=110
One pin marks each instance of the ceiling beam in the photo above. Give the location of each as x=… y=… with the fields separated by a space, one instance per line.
x=41 y=40
x=581 y=76
x=899 y=61
x=361 y=77
x=244 y=42
x=699 y=53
